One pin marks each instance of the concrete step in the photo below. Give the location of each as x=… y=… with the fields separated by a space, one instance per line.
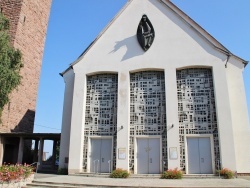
x=147 y=176
x=85 y=174
x=107 y=175
x=200 y=176
x=51 y=184
x=185 y=176
x=47 y=171
x=47 y=186
x=69 y=185
x=151 y=176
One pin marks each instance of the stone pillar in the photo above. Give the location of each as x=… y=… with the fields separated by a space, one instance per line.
x=54 y=154
x=123 y=124
x=40 y=153
x=35 y=157
x=66 y=119
x=224 y=119
x=20 y=151
x=172 y=119
x=77 y=121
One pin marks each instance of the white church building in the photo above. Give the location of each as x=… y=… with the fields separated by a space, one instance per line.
x=153 y=92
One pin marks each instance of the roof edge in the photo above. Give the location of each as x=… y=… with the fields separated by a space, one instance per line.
x=96 y=39
x=65 y=71
x=101 y=33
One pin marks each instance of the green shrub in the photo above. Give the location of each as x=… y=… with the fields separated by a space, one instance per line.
x=172 y=174
x=62 y=171
x=226 y=173
x=119 y=173
x=15 y=173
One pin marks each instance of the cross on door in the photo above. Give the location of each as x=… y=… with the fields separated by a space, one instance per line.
x=147 y=149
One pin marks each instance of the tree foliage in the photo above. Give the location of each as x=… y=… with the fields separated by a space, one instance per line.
x=10 y=64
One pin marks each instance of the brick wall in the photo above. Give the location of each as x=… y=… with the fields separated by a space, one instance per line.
x=12 y=11
x=28 y=26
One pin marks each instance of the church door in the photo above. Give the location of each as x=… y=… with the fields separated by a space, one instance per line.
x=100 y=157
x=148 y=155
x=199 y=155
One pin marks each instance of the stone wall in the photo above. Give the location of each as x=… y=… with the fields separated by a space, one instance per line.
x=28 y=27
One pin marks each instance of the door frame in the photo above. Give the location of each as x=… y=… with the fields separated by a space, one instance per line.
x=135 y=149
x=89 y=149
x=211 y=137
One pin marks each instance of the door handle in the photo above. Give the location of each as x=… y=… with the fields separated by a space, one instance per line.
x=150 y=160
x=202 y=160
x=102 y=160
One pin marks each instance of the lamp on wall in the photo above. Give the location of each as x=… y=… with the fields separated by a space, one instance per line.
x=119 y=128
x=170 y=126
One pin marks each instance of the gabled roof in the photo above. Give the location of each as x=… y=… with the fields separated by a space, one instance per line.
x=196 y=27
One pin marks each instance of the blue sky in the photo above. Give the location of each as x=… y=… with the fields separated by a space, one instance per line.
x=74 y=24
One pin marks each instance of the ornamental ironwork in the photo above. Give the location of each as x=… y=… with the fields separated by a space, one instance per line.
x=101 y=110
x=147 y=109
x=196 y=108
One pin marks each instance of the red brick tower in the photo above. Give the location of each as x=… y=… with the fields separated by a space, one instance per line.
x=28 y=26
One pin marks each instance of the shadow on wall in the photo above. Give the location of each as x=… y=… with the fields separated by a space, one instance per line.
x=10 y=150
x=133 y=48
x=27 y=123
x=10 y=154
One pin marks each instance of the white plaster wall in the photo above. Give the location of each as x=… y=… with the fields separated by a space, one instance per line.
x=172 y=115
x=239 y=114
x=224 y=120
x=66 y=120
x=123 y=115
x=77 y=123
x=176 y=45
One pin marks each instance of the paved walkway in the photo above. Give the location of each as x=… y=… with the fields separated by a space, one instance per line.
x=145 y=182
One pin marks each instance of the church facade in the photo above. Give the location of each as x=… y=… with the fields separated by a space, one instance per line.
x=152 y=93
